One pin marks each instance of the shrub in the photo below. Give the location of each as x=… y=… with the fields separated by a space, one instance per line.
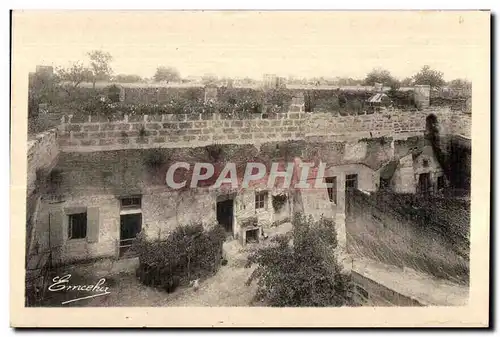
x=302 y=272
x=279 y=201
x=114 y=93
x=214 y=151
x=155 y=158
x=189 y=252
x=402 y=99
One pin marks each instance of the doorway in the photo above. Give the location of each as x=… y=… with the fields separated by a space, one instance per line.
x=424 y=182
x=351 y=185
x=130 y=226
x=225 y=214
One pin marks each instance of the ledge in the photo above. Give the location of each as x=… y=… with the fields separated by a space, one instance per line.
x=418 y=286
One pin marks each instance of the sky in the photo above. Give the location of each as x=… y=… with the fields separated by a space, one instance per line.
x=241 y=44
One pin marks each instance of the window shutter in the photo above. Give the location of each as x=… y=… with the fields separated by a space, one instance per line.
x=93 y=224
x=56 y=228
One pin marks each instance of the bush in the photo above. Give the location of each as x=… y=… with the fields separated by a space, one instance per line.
x=215 y=152
x=279 y=201
x=155 y=159
x=302 y=272
x=190 y=252
x=402 y=99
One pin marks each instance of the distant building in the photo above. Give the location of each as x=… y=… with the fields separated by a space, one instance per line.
x=274 y=81
x=269 y=80
x=48 y=70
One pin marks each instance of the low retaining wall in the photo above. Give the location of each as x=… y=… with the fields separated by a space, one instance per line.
x=377 y=284
x=188 y=130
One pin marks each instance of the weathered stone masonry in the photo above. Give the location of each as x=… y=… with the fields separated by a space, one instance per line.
x=187 y=130
x=42 y=155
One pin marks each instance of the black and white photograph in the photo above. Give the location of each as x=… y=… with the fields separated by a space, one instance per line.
x=251 y=159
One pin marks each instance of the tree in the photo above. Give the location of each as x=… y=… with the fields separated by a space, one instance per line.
x=100 y=66
x=124 y=78
x=301 y=270
x=42 y=88
x=168 y=74
x=74 y=75
x=459 y=84
x=428 y=76
x=407 y=82
x=344 y=81
x=381 y=76
x=209 y=79
x=71 y=78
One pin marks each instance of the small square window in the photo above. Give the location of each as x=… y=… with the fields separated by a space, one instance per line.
x=77 y=226
x=260 y=200
x=425 y=163
x=131 y=202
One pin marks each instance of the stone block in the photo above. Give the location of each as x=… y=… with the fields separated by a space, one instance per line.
x=75 y=127
x=107 y=127
x=122 y=127
x=153 y=126
x=186 y=125
x=106 y=141
x=91 y=127
x=97 y=135
x=79 y=135
x=88 y=142
x=200 y=125
x=193 y=117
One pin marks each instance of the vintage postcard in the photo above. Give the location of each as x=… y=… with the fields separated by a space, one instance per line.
x=250 y=169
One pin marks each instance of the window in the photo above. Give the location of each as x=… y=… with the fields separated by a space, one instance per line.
x=77 y=226
x=131 y=202
x=425 y=163
x=331 y=183
x=130 y=223
x=260 y=199
x=351 y=181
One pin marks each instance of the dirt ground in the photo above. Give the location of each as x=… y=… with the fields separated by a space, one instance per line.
x=226 y=288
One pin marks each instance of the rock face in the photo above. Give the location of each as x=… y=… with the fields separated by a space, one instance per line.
x=453 y=153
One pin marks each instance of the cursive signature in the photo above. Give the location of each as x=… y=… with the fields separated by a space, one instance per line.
x=61 y=283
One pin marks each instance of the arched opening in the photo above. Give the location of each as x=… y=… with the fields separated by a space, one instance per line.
x=431 y=124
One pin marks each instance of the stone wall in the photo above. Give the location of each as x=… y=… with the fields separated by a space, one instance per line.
x=161 y=214
x=383 y=230
x=42 y=154
x=368 y=292
x=188 y=130
x=377 y=284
